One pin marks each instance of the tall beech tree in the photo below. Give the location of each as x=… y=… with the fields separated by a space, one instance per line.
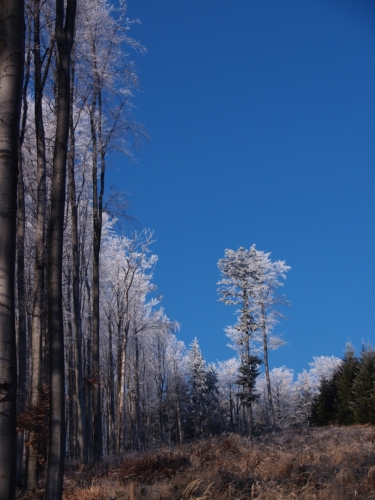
x=12 y=50
x=21 y=289
x=112 y=81
x=64 y=33
x=38 y=299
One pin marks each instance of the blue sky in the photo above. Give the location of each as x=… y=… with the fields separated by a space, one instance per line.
x=261 y=116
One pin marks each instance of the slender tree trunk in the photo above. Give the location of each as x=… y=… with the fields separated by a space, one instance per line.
x=97 y=209
x=71 y=393
x=12 y=49
x=137 y=396
x=121 y=361
x=266 y=367
x=22 y=316
x=88 y=368
x=39 y=263
x=179 y=420
x=81 y=416
x=64 y=37
x=111 y=409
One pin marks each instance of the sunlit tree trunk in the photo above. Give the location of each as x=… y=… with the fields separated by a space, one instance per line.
x=12 y=49
x=121 y=362
x=64 y=31
x=266 y=366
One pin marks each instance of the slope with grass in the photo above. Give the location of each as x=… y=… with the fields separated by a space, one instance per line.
x=331 y=463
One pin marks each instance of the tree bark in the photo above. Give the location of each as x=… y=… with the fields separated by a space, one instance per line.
x=266 y=367
x=12 y=49
x=39 y=263
x=97 y=209
x=80 y=393
x=21 y=292
x=64 y=32
x=111 y=405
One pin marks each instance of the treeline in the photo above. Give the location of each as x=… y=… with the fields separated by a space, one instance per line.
x=348 y=396
x=69 y=307
x=90 y=364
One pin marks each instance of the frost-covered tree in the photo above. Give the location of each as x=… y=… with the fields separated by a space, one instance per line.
x=238 y=287
x=250 y=280
x=202 y=416
x=197 y=386
x=283 y=398
x=105 y=82
x=267 y=313
x=176 y=389
x=227 y=376
x=323 y=368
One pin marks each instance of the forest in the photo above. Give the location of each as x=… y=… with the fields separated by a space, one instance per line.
x=91 y=367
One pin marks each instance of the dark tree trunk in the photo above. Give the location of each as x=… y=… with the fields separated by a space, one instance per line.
x=88 y=367
x=111 y=395
x=39 y=263
x=97 y=209
x=12 y=50
x=266 y=367
x=79 y=388
x=64 y=32
x=21 y=292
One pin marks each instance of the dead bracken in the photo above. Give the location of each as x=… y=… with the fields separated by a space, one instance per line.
x=330 y=463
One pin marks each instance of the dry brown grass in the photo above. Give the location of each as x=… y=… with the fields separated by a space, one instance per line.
x=322 y=464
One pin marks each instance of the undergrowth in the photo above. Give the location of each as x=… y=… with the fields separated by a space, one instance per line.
x=334 y=463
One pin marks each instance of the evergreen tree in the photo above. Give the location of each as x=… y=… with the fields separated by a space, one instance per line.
x=363 y=388
x=323 y=409
x=202 y=416
x=344 y=382
x=248 y=373
x=213 y=423
x=197 y=388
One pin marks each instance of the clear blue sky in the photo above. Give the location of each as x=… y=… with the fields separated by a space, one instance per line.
x=261 y=115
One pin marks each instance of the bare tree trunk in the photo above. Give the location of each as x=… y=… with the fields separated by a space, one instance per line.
x=111 y=409
x=12 y=49
x=71 y=393
x=266 y=368
x=179 y=420
x=137 y=396
x=88 y=368
x=80 y=393
x=22 y=316
x=121 y=362
x=64 y=37
x=97 y=209
x=39 y=263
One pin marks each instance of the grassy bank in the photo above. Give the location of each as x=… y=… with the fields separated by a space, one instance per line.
x=334 y=463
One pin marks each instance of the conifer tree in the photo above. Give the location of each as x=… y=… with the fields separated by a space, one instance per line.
x=323 y=409
x=213 y=424
x=363 y=388
x=344 y=381
x=197 y=387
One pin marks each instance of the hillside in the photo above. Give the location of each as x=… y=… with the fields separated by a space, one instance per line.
x=331 y=463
